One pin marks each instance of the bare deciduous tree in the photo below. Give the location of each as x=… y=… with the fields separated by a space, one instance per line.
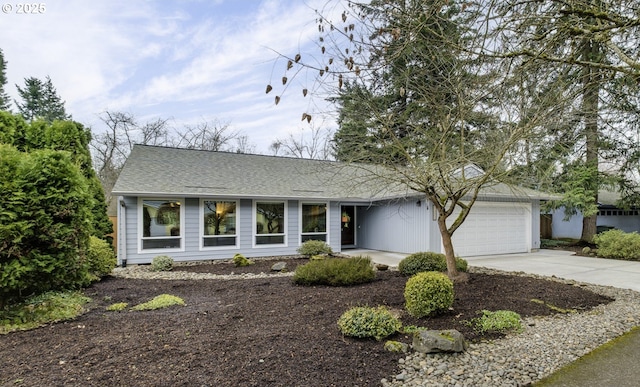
x=432 y=112
x=208 y=135
x=111 y=148
x=315 y=146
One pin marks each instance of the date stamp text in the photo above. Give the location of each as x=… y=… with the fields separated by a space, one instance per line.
x=24 y=8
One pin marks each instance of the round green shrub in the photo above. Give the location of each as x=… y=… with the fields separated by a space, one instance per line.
x=365 y=321
x=240 y=260
x=427 y=293
x=499 y=321
x=100 y=257
x=428 y=261
x=462 y=264
x=162 y=263
x=313 y=247
x=617 y=244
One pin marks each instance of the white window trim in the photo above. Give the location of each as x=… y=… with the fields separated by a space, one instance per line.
x=328 y=223
x=254 y=226
x=201 y=218
x=141 y=221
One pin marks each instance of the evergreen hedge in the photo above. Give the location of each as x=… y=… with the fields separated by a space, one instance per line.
x=45 y=213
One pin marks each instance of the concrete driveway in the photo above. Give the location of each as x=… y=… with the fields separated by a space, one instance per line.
x=562 y=264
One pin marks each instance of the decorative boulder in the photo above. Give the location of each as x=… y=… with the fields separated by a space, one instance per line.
x=439 y=341
x=382 y=267
x=279 y=266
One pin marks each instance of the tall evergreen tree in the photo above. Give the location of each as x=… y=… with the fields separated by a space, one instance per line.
x=418 y=94
x=5 y=101
x=593 y=44
x=40 y=101
x=66 y=136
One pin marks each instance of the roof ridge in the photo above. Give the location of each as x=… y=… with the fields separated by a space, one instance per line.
x=235 y=153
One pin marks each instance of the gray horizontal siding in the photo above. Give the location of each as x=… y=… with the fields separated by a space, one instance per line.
x=129 y=239
x=400 y=226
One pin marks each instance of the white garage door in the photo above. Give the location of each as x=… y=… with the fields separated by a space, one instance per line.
x=494 y=228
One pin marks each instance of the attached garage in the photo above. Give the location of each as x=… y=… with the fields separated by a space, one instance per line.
x=494 y=228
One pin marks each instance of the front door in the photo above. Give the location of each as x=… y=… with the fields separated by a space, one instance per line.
x=347 y=225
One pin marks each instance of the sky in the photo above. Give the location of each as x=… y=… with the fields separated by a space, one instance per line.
x=186 y=61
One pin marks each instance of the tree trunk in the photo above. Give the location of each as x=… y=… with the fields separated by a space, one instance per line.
x=589 y=228
x=590 y=97
x=452 y=272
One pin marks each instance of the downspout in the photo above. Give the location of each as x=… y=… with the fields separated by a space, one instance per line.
x=122 y=234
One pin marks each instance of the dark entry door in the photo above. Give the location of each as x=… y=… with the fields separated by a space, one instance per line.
x=347 y=224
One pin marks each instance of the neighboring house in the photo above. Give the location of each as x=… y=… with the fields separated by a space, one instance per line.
x=200 y=205
x=609 y=216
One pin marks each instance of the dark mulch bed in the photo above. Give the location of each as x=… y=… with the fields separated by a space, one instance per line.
x=255 y=332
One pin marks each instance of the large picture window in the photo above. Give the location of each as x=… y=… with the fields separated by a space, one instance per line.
x=161 y=224
x=219 y=223
x=314 y=222
x=270 y=223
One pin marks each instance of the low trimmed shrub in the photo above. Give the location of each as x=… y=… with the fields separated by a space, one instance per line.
x=240 y=260
x=117 y=307
x=335 y=272
x=101 y=257
x=158 y=302
x=428 y=261
x=42 y=309
x=617 y=244
x=162 y=263
x=499 y=321
x=427 y=293
x=365 y=321
x=313 y=247
x=395 y=346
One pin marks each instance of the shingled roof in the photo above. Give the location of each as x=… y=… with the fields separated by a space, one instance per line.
x=162 y=171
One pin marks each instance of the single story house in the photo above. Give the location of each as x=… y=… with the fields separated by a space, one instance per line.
x=200 y=205
x=610 y=215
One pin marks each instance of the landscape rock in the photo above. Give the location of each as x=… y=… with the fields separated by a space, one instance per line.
x=449 y=340
x=382 y=267
x=279 y=266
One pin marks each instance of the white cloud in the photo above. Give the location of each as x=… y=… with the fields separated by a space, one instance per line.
x=186 y=60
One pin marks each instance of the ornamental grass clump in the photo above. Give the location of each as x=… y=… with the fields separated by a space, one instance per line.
x=162 y=263
x=428 y=293
x=312 y=248
x=335 y=272
x=500 y=321
x=364 y=322
x=427 y=261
